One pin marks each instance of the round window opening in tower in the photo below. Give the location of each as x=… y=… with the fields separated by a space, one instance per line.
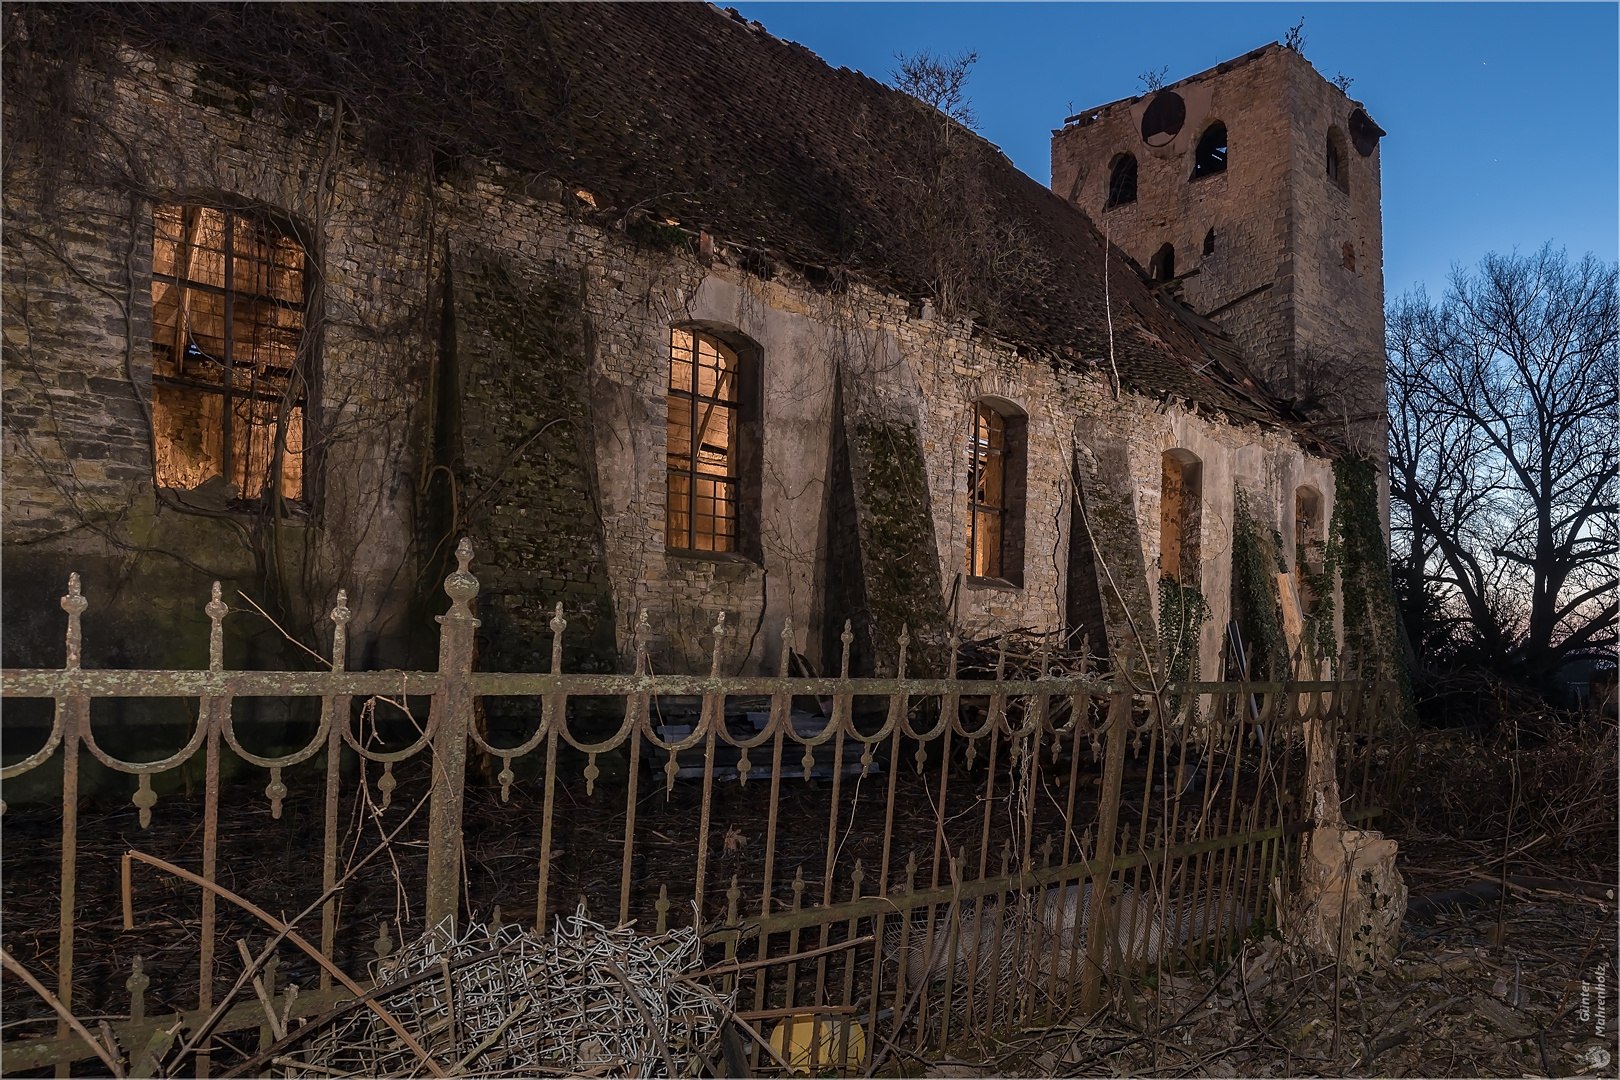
x=1364 y=134
x=1210 y=157
x=1164 y=118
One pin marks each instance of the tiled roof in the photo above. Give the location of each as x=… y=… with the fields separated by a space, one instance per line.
x=707 y=119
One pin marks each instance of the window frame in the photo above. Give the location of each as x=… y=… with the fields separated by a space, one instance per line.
x=743 y=476
x=1007 y=513
x=300 y=379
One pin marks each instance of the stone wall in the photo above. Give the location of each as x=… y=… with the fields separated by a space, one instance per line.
x=76 y=288
x=525 y=464
x=461 y=313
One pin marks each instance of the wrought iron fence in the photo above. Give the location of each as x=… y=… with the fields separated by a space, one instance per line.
x=909 y=860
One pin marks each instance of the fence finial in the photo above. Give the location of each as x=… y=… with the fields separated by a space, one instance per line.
x=217 y=610
x=460 y=585
x=643 y=632
x=787 y=646
x=74 y=604
x=848 y=638
x=558 y=625
x=340 y=633
x=905 y=643
x=136 y=984
x=719 y=636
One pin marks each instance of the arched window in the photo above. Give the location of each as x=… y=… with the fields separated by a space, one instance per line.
x=712 y=450
x=1337 y=167
x=1347 y=255
x=1210 y=157
x=1122 y=181
x=995 y=524
x=1181 y=499
x=1209 y=241
x=230 y=365
x=1162 y=267
x=1309 y=535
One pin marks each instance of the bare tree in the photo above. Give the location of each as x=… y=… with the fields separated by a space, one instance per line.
x=938 y=81
x=948 y=218
x=1503 y=461
x=1295 y=38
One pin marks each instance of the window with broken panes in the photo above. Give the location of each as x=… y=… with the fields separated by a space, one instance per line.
x=987 y=492
x=228 y=321
x=704 y=410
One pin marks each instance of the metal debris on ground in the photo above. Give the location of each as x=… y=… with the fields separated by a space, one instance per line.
x=589 y=1000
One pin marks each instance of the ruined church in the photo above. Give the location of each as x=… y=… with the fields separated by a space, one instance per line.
x=673 y=320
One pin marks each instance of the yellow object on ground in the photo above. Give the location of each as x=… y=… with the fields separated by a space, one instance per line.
x=794 y=1037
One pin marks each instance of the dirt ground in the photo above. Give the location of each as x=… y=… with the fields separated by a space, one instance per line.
x=1484 y=985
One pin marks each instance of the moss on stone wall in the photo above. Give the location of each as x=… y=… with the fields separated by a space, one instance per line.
x=524 y=460
x=1109 y=506
x=900 y=560
x=1256 y=562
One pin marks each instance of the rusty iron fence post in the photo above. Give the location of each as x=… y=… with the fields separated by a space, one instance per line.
x=453 y=704
x=1119 y=723
x=74 y=715
x=338 y=721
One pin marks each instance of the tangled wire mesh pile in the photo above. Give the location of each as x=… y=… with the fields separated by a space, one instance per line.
x=588 y=1000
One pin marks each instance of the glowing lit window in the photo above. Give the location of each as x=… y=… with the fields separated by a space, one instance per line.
x=229 y=371
x=705 y=400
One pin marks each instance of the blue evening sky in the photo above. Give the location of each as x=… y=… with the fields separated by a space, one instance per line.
x=1502 y=118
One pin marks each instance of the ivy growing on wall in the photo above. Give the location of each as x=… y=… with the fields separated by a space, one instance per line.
x=1319 y=623
x=1356 y=549
x=1183 y=611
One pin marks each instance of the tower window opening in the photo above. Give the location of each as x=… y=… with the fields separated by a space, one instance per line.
x=1162 y=267
x=1364 y=133
x=1210 y=157
x=1335 y=165
x=1209 y=241
x=1122 y=182
x=1348 y=255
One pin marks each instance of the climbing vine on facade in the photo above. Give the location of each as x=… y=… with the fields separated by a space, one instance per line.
x=1356 y=549
x=1183 y=611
